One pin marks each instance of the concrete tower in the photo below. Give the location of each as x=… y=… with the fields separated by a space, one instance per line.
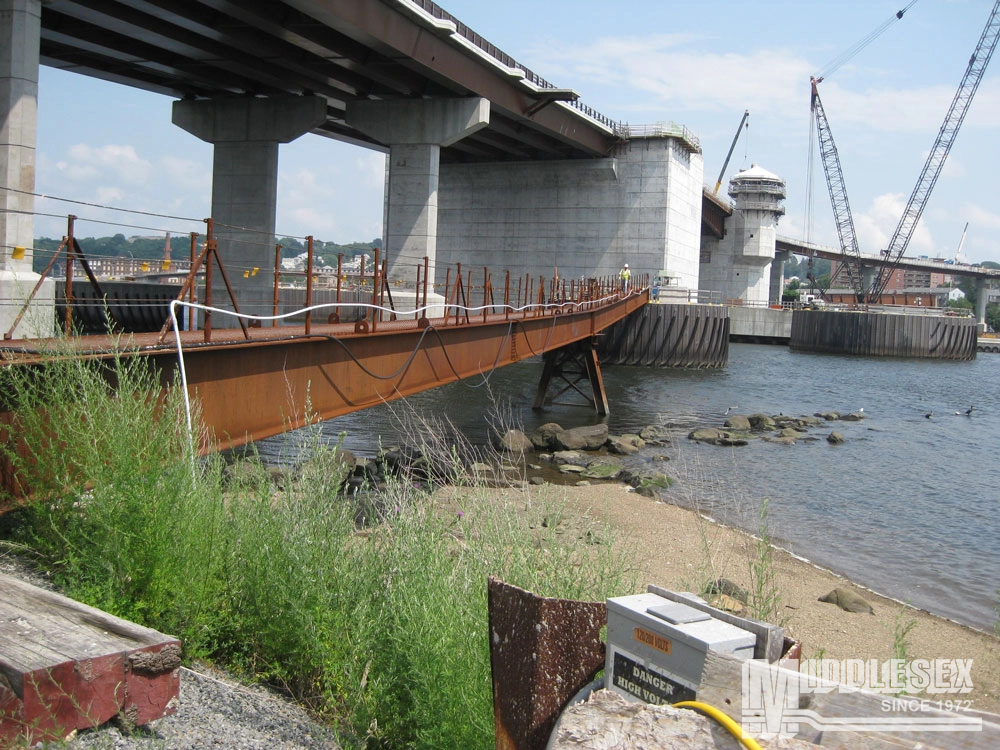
x=739 y=265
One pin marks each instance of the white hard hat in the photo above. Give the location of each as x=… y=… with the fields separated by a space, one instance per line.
x=626 y=265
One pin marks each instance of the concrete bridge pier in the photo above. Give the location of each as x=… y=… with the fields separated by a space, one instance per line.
x=245 y=133
x=20 y=29
x=982 y=296
x=777 y=286
x=741 y=264
x=868 y=276
x=415 y=131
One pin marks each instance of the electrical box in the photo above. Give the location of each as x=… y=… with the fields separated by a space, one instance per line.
x=656 y=647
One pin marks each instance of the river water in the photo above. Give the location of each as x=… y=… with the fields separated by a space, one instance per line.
x=907 y=505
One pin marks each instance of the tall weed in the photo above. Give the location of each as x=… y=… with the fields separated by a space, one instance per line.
x=381 y=631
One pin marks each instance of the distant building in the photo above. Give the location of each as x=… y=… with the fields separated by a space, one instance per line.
x=134 y=268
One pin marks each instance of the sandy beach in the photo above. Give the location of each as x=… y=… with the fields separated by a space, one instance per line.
x=671 y=547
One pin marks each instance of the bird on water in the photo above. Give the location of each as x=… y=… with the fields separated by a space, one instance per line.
x=929 y=414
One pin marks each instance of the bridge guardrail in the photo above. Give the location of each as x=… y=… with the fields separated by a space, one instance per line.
x=674 y=295
x=491 y=49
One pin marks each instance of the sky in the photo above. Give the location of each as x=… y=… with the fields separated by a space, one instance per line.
x=699 y=64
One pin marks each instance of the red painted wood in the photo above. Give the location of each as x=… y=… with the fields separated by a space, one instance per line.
x=67 y=666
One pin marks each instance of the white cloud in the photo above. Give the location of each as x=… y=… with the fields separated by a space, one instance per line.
x=108 y=195
x=980 y=217
x=678 y=79
x=371 y=169
x=77 y=172
x=186 y=174
x=876 y=225
x=915 y=110
x=120 y=161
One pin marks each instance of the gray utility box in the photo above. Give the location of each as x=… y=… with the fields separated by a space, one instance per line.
x=656 y=647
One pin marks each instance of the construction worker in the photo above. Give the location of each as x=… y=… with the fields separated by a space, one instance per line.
x=625 y=275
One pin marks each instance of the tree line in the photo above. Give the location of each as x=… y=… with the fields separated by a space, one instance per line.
x=153 y=248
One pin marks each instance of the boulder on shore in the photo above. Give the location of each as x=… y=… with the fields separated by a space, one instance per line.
x=716 y=436
x=624 y=445
x=848 y=601
x=589 y=438
x=515 y=441
x=761 y=422
x=544 y=438
x=654 y=435
x=569 y=457
x=706 y=434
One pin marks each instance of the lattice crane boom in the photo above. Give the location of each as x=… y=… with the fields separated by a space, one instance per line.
x=939 y=151
x=722 y=172
x=838 y=193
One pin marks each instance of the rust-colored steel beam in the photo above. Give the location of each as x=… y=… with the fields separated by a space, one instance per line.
x=265 y=381
x=249 y=391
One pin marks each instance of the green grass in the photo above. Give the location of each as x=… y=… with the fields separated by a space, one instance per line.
x=381 y=631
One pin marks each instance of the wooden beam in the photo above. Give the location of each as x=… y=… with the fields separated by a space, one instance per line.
x=67 y=666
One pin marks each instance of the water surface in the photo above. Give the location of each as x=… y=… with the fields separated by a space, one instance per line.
x=906 y=506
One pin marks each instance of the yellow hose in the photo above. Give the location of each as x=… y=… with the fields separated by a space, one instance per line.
x=728 y=723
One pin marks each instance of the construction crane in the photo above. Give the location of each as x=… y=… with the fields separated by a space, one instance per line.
x=838 y=194
x=833 y=171
x=925 y=183
x=729 y=156
x=939 y=151
x=961 y=243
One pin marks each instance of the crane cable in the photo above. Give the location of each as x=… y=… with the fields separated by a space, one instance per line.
x=836 y=63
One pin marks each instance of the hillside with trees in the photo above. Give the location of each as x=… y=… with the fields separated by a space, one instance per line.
x=152 y=248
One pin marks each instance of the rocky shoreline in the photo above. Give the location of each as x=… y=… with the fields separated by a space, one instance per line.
x=582 y=455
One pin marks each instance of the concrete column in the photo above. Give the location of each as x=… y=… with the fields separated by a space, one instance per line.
x=20 y=28
x=415 y=131
x=777 y=276
x=982 y=297
x=412 y=208
x=246 y=132
x=868 y=277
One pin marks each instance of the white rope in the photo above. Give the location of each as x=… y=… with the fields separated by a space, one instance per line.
x=449 y=308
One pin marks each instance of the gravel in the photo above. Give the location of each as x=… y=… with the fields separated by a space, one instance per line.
x=216 y=711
